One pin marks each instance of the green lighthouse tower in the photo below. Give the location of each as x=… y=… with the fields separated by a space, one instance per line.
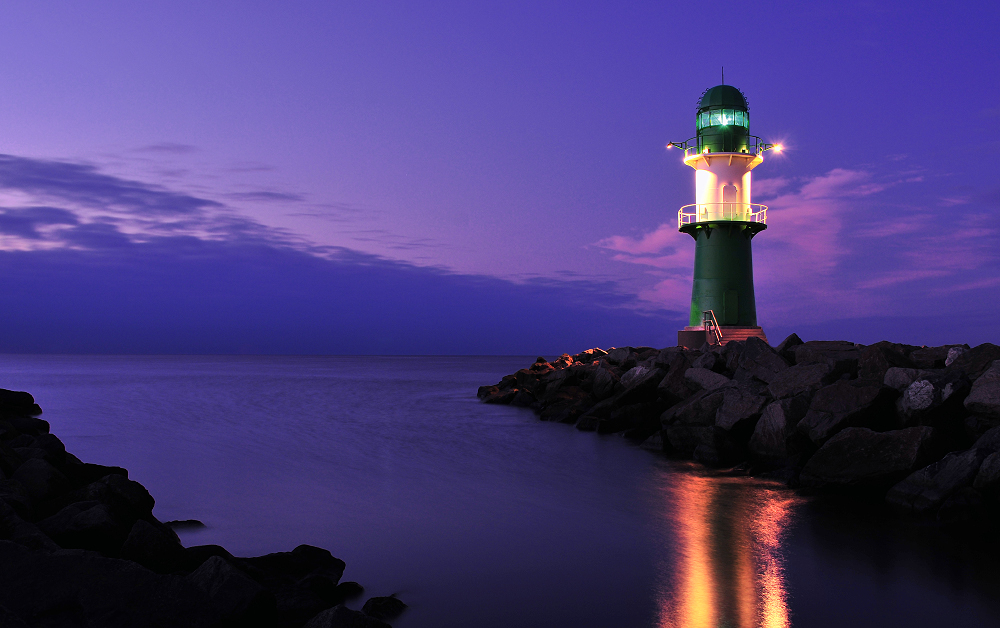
x=723 y=221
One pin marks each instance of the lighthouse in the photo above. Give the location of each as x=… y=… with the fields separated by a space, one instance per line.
x=723 y=220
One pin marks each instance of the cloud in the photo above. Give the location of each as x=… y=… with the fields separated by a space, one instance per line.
x=168 y=148
x=276 y=197
x=25 y=222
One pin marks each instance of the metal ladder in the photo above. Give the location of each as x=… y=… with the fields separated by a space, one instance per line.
x=711 y=326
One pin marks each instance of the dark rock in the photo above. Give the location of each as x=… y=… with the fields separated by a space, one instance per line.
x=487 y=391
x=387 y=607
x=799 y=379
x=640 y=387
x=927 y=488
x=76 y=588
x=14 y=528
x=984 y=398
x=523 y=399
x=975 y=426
x=760 y=360
x=623 y=357
x=687 y=439
x=935 y=398
x=711 y=361
x=40 y=478
x=965 y=504
x=989 y=441
x=858 y=457
x=655 y=442
x=589 y=421
x=674 y=387
x=874 y=360
x=740 y=409
x=628 y=417
x=975 y=361
x=195 y=555
x=847 y=403
x=567 y=405
x=300 y=562
x=237 y=597
x=954 y=353
x=86 y=525
x=10 y=460
x=930 y=357
x=184 y=524
x=731 y=353
x=698 y=409
x=988 y=478
x=29 y=425
x=604 y=383
x=155 y=547
x=501 y=397
x=770 y=441
x=840 y=355
x=786 y=348
x=900 y=378
x=343 y=617
x=706 y=379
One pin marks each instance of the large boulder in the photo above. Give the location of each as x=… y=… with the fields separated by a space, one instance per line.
x=86 y=525
x=705 y=378
x=786 y=348
x=799 y=379
x=624 y=357
x=840 y=355
x=760 y=360
x=984 y=398
x=155 y=547
x=740 y=410
x=383 y=607
x=567 y=405
x=858 y=457
x=698 y=409
x=235 y=595
x=930 y=357
x=928 y=488
x=604 y=382
x=640 y=385
x=975 y=361
x=935 y=398
x=772 y=441
x=988 y=478
x=40 y=479
x=875 y=360
x=847 y=403
x=674 y=387
x=899 y=378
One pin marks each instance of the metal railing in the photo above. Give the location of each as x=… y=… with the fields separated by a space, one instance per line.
x=711 y=325
x=705 y=212
x=699 y=145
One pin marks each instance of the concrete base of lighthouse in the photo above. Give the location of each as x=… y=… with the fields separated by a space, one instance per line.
x=695 y=337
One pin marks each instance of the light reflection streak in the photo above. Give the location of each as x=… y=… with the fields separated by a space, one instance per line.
x=728 y=567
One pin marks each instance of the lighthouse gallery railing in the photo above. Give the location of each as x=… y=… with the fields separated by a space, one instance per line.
x=707 y=212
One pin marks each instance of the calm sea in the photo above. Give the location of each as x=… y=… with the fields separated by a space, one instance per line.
x=481 y=515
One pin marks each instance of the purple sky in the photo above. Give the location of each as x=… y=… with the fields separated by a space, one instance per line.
x=399 y=177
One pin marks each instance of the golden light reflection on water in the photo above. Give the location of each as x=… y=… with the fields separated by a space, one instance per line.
x=728 y=569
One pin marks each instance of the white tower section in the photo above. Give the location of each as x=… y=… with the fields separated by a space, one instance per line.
x=722 y=188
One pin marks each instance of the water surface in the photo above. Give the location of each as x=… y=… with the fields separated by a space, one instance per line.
x=482 y=515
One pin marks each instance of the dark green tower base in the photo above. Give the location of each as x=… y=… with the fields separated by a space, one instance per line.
x=695 y=337
x=723 y=272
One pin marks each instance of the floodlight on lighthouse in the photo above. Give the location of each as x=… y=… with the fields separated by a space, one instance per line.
x=723 y=220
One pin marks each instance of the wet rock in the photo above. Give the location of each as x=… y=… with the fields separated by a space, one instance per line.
x=386 y=607
x=235 y=595
x=760 y=360
x=155 y=547
x=928 y=488
x=523 y=399
x=706 y=379
x=567 y=405
x=655 y=442
x=847 y=403
x=770 y=440
x=497 y=396
x=900 y=378
x=875 y=360
x=633 y=417
x=589 y=421
x=799 y=379
x=965 y=504
x=984 y=398
x=841 y=356
x=858 y=457
x=343 y=617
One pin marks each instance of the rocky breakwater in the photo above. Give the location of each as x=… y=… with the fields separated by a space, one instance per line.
x=79 y=546
x=916 y=426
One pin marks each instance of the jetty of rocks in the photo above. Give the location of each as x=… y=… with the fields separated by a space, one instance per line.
x=916 y=426
x=79 y=546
